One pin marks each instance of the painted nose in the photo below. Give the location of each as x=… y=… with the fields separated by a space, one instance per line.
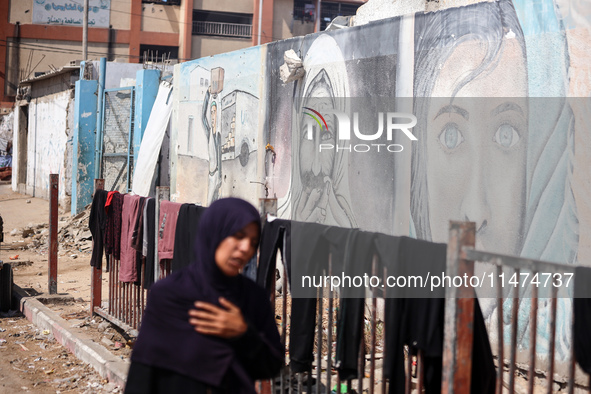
x=474 y=206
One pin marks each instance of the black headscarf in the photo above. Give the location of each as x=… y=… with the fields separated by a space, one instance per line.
x=166 y=338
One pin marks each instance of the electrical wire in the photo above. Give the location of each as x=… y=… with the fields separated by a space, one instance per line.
x=52 y=49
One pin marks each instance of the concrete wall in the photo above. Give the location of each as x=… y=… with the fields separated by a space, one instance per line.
x=120 y=18
x=241 y=6
x=49 y=145
x=19 y=147
x=506 y=160
x=202 y=46
x=21 y=11
x=161 y=18
x=301 y=28
x=283 y=22
x=57 y=84
x=116 y=73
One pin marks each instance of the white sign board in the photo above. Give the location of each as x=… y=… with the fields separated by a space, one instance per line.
x=70 y=13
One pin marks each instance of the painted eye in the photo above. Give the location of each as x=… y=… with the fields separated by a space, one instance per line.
x=326 y=135
x=506 y=136
x=451 y=137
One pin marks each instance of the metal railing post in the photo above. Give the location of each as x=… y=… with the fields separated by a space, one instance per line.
x=96 y=275
x=269 y=206
x=53 y=214
x=459 y=313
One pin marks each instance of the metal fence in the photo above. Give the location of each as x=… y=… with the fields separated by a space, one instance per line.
x=461 y=257
x=222 y=29
x=125 y=301
x=117 y=147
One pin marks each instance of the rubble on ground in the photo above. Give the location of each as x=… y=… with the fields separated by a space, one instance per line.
x=73 y=236
x=44 y=364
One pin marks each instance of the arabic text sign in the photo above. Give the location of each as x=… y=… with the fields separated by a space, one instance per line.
x=70 y=13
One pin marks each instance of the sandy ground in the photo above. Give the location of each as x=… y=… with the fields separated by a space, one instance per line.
x=31 y=361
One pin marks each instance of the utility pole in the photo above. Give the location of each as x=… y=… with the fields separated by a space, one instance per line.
x=318 y=12
x=260 y=27
x=85 y=32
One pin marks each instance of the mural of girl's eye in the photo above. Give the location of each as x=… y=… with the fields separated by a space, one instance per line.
x=451 y=137
x=506 y=136
x=325 y=135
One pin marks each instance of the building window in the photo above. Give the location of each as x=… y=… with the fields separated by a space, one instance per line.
x=220 y=23
x=305 y=11
x=165 y=2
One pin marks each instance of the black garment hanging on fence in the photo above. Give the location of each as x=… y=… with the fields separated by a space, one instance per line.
x=113 y=226
x=276 y=234
x=138 y=227
x=96 y=224
x=307 y=251
x=419 y=323
x=137 y=239
x=309 y=244
x=150 y=217
x=350 y=322
x=582 y=317
x=185 y=235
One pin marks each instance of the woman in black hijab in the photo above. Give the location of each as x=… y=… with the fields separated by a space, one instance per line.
x=206 y=328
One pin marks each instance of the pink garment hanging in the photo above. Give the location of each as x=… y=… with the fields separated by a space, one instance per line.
x=169 y=214
x=128 y=266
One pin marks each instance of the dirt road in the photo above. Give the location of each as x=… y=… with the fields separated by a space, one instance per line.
x=32 y=361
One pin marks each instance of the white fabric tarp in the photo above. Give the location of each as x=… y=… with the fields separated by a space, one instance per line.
x=152 y=140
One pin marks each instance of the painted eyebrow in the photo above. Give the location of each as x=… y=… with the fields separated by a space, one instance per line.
x=450 y=109
x=508 y=106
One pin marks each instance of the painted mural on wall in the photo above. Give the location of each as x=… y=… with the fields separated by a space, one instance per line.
x=330 y=185
x=496 y=133
x=218 y=115
x=505 y=160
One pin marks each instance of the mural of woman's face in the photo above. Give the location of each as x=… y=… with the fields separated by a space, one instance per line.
x=476 y=148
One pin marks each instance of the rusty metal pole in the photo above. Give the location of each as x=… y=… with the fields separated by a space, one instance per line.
x=459 y=313
x=53 y=214
x=269 y=206
x=96 y=276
